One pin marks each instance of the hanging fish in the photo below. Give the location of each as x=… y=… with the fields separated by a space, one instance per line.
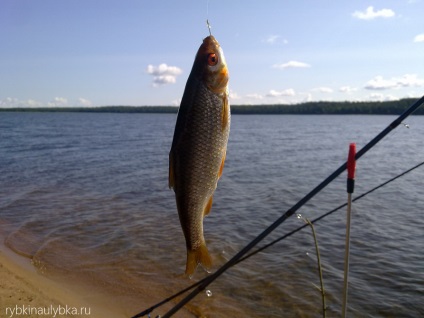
x=197 y=155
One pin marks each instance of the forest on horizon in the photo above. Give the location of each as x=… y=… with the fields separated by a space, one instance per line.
x=308 y=108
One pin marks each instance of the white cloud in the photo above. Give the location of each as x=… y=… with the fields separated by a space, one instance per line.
x=382 y=97
x=270 y=39
x=33 y=103
x=58 y=102
x=370 y=14
x=323 y=89
x=407 y=80
x=308 y=98
x=12 y=102
x=286 y=92
x=84 y=102
x=164 y=79
x=410 y=80
x=347 y=89
x=9 y=102
x=176 y=102
x=163 y=69
x=254 y=96
x=233 y=95
x=163 y=74
x=379 y=83
x=419 y=38
x=291 y=64
x=274 y=38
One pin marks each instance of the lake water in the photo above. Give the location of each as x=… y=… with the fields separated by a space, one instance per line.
x=86 y=197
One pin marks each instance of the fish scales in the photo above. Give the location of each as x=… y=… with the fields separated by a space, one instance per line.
x=200 y=154
x=199 y=147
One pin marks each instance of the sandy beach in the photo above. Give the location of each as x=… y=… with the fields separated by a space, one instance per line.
x=15 y=291
x=25 y=293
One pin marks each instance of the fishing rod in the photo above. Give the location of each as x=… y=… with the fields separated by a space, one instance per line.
x=149 y=310
x=293 y=209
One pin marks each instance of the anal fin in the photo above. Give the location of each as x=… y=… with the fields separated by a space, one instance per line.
x=221 y=168
x=208 y=207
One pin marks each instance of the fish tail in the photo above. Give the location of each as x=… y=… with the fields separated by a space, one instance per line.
x=198 y=256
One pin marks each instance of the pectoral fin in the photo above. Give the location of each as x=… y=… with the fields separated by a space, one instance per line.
x=225 y=112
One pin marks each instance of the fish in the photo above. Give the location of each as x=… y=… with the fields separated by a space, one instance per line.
x=199 y=147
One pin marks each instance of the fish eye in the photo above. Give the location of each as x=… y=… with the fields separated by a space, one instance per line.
x=212 y=59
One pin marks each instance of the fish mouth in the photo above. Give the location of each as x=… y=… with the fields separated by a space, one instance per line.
x=210 y=40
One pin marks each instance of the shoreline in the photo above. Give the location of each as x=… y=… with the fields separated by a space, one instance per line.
x=24 y=292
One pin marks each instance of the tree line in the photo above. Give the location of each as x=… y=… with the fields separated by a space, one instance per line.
x=309 y=108
x=331 y=108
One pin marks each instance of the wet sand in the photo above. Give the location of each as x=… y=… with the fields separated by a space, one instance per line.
x=24 y=292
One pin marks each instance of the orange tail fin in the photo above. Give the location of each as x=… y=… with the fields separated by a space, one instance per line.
x=198 y=256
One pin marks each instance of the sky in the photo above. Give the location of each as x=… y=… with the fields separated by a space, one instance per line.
x=140 y=52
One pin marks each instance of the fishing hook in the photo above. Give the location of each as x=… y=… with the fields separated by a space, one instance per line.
x=209 y=27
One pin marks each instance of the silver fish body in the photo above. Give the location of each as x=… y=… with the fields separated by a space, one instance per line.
x=198 y=151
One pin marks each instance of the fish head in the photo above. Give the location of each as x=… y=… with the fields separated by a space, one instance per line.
x=211 y=67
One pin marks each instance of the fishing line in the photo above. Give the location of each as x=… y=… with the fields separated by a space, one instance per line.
x=207 y=10
x=207 y=17
x=149 y=310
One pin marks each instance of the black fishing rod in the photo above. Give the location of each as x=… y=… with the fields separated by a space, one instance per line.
x=150 y=309
x=293 y=209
